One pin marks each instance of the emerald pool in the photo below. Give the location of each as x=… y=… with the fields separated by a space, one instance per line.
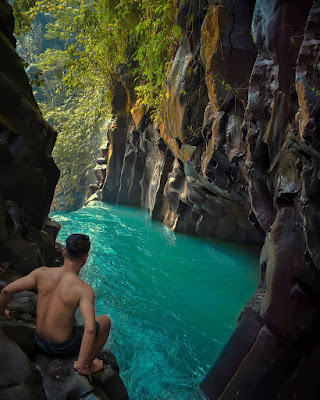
x=173 y=299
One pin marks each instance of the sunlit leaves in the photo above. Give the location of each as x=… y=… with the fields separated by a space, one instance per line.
x=106 y=33
x=95 y=38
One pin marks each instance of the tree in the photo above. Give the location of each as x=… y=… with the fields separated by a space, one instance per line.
x=76 y=73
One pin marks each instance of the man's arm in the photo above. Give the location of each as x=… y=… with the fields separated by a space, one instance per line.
x=86 y=304
x=25 y=283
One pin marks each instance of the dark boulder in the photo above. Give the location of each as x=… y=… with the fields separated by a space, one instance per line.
x=19 y=379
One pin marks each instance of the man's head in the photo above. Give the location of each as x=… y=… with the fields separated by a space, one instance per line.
x=77 y=247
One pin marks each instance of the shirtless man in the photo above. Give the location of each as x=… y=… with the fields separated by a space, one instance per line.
x=60 y=292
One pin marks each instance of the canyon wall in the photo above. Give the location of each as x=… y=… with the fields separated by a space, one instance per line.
x=235 y=156
x=28 y=174
x=188 y=169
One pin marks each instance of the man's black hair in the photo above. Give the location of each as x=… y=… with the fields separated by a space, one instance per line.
x=77 y=246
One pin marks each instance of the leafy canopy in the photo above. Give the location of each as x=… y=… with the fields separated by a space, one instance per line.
x=100 y=35
x=74 y=49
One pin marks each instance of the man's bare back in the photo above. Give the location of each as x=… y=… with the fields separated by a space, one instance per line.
x=60 y=292
x=59 y=295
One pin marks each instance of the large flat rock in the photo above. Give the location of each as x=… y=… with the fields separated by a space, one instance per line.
x=61 y=381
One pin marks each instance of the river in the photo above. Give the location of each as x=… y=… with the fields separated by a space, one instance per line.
x=173 y=299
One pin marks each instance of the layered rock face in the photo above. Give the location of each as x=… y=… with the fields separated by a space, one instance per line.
x=235 y=156
x=28 y=174
x=189 y=168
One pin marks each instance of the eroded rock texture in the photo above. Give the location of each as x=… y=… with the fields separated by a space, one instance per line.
x=28 y=174
x=235 y=156
x=274 y=352
x=189 y=169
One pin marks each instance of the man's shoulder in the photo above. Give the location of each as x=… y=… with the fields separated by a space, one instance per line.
x=86 y=293
x=84 y=286
x=42 y=270
x=47 y=271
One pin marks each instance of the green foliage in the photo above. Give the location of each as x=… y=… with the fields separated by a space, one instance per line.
x=23 y=20
x=77 y=148
x=229 y=87
x=316 y=91
x=99 y=35
x=74 y=49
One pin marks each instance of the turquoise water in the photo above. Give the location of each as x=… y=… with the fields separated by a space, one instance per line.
x=173 y=299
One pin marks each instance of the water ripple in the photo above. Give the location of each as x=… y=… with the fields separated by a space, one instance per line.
x=173 y=299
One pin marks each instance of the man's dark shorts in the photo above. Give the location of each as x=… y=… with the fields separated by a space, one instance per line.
x=70 y=347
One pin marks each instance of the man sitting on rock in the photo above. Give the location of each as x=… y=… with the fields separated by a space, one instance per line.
x=60 y=292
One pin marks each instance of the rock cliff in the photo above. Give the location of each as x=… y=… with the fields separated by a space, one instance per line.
x=189 y=169
x=235 y=156
x=28 y=174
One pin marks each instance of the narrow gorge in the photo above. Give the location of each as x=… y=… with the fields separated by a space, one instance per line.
x=233 y=154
